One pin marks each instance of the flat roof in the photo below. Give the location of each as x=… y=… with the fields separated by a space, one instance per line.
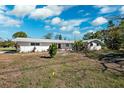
x=41 y=40
x=90 y=40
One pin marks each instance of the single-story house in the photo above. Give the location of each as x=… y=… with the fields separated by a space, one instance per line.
x=39 y=45
x=94 y=44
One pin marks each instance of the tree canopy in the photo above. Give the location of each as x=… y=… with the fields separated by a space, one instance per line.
x=48 y=36
x=113 y=36
x=20 y=34
x=59 y=37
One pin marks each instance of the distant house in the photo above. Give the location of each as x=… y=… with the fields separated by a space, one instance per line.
x=39 y=45
x=94 y=44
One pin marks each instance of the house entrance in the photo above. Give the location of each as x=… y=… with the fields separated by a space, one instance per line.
x=59 y=46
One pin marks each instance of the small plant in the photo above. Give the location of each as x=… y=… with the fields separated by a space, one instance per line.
x=52 y=50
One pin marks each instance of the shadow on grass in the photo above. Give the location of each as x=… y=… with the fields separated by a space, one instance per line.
x=10 y=52
x=112 y=55
x=104 y=57
x=117 y=58
x=45 y=57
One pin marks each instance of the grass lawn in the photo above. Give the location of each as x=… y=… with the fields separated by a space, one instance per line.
x=7 y=49
x=65 y=70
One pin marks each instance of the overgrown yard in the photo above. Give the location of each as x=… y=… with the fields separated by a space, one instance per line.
x=65 y=70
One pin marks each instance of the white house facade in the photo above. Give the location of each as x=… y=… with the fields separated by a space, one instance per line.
x=94 y=44
x=39 y=45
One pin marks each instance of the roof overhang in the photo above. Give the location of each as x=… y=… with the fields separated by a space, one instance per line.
x=41 y=40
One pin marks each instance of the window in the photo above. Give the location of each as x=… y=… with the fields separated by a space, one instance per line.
x=97 y=44
x=91 y=44
x=59 y=46
x=35 y=44
x=67 y=45
x=32 y=44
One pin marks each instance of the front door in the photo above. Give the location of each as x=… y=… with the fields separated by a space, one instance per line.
x=59 y=46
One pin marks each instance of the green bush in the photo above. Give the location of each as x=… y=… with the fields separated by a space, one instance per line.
x=52 y=50
x=79 y=46
x=7 y=44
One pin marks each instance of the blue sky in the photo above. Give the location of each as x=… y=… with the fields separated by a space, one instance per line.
x=70 y=21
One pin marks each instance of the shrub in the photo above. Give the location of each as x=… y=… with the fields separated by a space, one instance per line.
x=7 y=44
x=79 y=46
x=52 y=50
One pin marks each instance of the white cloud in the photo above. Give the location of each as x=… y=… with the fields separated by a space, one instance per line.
x=56 y=20
x=87 y=14
x=122 y=10
x=80 y=11
x=21 y=10
x=90 y=31
x=87 y=27
x=99 y=6
x=7 y=21
x=67 y=25
x=47 y=27
x=68 y=28
x=67 y=7
x=71 y=25
x=46 y=11
x=99 y=21
x=107 y=9
x=76 y=32
x=63 y=28
x=73 y=22
x=2 y=9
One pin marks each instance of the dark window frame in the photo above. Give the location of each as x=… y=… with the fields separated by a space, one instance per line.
x=35 y=44
x=67 y=45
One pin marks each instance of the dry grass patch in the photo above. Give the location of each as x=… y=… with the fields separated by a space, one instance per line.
x=65 y=70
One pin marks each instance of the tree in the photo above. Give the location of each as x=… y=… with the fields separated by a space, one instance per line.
x=79 y=46
x=111 y=24
x=121 y=25
x=113 y=36
x=48 y=36
x=65 y=38
x=89 y=35
x=52 y=50
x=20 y=34
x=58 y=36
x=7 y=43
x=113 y=39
